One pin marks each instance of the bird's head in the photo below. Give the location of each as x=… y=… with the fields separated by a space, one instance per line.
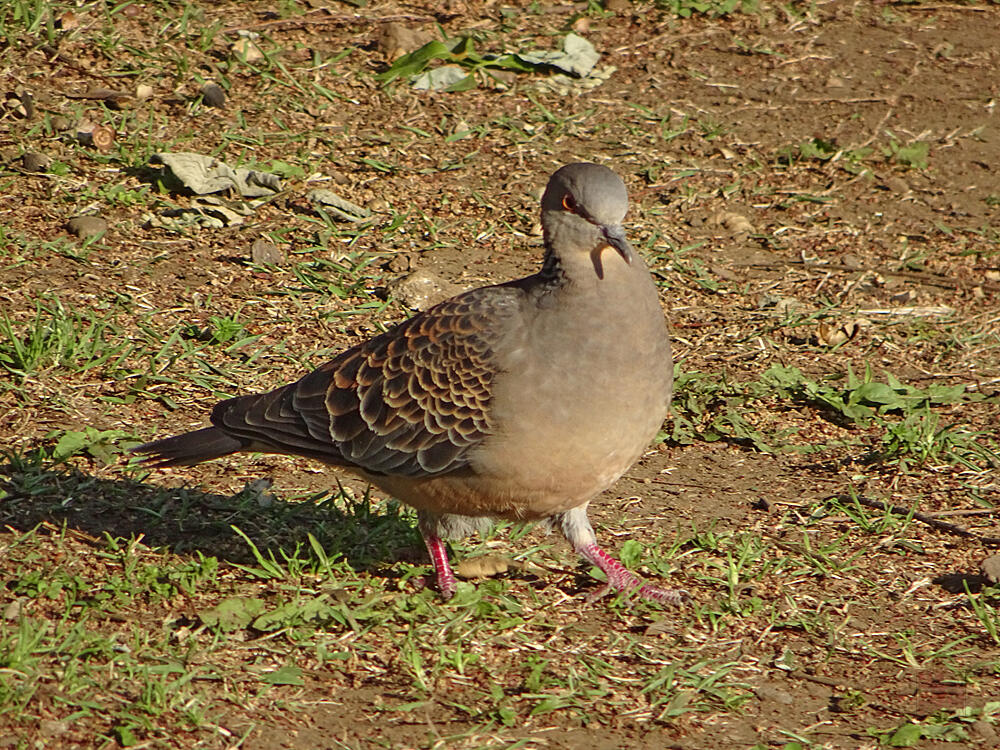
x=582 y=210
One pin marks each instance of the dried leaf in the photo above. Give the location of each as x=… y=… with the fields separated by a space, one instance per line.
x=483 y=567
x=828 y=334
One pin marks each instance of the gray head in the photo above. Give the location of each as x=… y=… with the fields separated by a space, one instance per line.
x=582 y=210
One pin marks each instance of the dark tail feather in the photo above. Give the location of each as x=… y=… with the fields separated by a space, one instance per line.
x=189 y=448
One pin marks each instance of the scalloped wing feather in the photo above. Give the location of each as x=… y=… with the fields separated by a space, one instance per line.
x=410 y=402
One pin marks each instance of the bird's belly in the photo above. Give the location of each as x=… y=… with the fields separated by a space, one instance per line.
x=581 y=437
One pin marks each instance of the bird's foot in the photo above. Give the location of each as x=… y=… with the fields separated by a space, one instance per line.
x=439 y=556
x=622 y=580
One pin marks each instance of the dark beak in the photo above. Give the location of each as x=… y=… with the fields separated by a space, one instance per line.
x=615 y=237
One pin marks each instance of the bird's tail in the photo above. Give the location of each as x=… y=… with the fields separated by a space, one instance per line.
x=189 y=448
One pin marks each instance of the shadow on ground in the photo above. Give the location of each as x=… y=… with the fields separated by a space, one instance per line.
x=186 y=519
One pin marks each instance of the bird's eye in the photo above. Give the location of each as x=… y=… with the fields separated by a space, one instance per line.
x=568 y=203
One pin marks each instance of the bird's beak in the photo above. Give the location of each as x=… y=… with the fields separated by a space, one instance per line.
x=615 y=237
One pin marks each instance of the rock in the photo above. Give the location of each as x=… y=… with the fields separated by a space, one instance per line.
x=897 y=184
x=400 y=263
x=421 y=289
x=266 y=253
x=32 y=161
x=771 y=694
x=396 y=40
x=340 y=208
x=779 y=305
x=339 y=177
x=247 y=49
x=52 y=727
x=986 y=732
x=13 y=610
x=732 y=222
x=86 y=226
x=990 y=568
x=213 y=95
x=259 y=492
x=852 y=261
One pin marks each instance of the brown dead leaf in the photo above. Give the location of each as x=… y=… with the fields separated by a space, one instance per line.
x=396 y=40
x=483 y=567
x=247 y=50
x=832 y=334
x=732 y=222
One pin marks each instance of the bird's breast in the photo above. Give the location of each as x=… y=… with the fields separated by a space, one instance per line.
x=579 y=397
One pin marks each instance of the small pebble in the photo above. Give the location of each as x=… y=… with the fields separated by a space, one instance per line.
x=52 y=727
x=266 y=253
x=247 y=50
x=400 y=263
x=28 y=102
x=990 y=568
x=13 y=610
x=421 y=289
x=86 y=226
x=897 y=184
x=32 y=161
x=851 y=260
x=396 y=40
x=985 y=732
x=770 y=694
x=213 y=95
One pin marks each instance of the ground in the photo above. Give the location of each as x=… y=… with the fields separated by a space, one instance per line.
x=815 y=188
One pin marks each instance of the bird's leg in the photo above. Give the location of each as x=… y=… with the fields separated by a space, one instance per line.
x=428 y=525
x=620 y=579
x=439 y=556
x=578 y=531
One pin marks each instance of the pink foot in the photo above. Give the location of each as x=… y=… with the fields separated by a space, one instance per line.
x=439 y=556
x=620 y=579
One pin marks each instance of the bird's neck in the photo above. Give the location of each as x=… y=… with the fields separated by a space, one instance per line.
x=552 y=273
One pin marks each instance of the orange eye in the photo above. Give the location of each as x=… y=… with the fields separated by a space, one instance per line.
x=568 y=203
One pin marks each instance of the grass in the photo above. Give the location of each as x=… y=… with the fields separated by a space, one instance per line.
x=294 y=600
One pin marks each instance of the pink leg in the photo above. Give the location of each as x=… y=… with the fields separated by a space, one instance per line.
x=620 y=579
x=439 y=556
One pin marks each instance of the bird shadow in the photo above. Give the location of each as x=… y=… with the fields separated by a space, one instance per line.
x=186 y=519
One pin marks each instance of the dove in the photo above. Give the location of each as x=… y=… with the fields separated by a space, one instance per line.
x=523 y=400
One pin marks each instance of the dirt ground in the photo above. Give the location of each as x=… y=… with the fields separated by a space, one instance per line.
x=815 y=186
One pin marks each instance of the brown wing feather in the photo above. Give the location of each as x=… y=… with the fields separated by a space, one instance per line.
x=411 y=402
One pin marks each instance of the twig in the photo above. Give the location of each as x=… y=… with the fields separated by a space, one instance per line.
x=940 y=6
x=967 y=512
x=328 y=18
x=945 y=282
x=929 y=519
x=79 y=67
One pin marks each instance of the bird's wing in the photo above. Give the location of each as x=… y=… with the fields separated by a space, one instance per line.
x=409 y=402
